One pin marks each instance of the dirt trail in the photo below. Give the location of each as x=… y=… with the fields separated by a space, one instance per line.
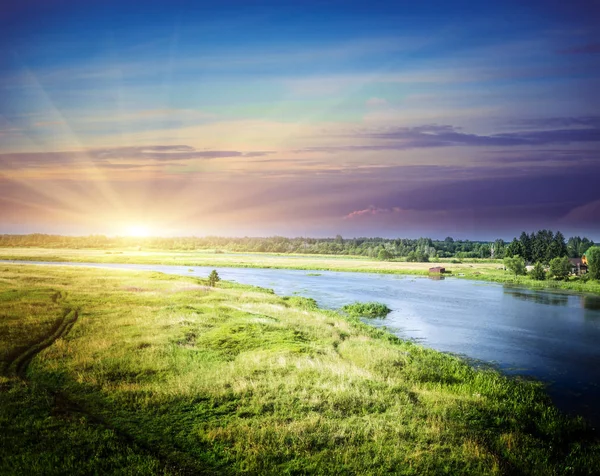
x=18 y=365
x=174 y=462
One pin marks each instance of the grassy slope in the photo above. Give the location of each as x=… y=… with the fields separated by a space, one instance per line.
x=163 y=375
x=486 y=270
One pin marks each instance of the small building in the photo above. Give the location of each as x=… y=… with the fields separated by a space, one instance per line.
x=578 y=266
x=437 y=270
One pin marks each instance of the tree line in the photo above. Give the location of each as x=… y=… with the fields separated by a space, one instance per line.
x=543 y=245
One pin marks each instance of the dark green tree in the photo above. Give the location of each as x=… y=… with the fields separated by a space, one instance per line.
x=557 y=247
x=213 y=278
x=560 y=267
x=526 y=250
x=577 y=246
x=515 y=248
x=593 y=260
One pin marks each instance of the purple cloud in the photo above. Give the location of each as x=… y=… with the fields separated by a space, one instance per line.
x=435 y=135
x=371 y=210
x=102 y=157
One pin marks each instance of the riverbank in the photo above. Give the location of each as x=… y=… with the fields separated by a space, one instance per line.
x=161 y=374
x=485 y=270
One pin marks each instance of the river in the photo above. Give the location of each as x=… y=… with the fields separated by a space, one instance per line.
x=549 y=336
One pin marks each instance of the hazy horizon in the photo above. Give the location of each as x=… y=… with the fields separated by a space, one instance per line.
x=475 y=121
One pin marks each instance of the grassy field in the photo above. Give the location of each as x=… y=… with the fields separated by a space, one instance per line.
x=486 y=270
x=108 y=371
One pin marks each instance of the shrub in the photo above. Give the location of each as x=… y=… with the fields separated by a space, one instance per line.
x=213 y=278
x=384 y=255
x=366 y=309
x=560 y=267
x=538 y=272
x=301 y=302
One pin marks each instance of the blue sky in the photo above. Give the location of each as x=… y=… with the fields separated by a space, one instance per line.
x=314 y=118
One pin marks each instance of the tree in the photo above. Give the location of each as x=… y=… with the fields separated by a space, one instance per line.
x=384 y=255
x=593 y=259
x=515 y=248
x=516 y=265
x=499 y=249
x=577 y=246
x=560 y=267
x=213 y=278
x=538 y=272
x=526 y=250
x=557 y=247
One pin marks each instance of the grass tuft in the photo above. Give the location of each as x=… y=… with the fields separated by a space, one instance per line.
x=366 y=309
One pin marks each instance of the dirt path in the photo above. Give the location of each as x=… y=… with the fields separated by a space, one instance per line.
x=174 y=462
x=18 y=365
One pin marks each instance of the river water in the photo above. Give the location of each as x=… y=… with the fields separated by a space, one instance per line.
x=549 y=336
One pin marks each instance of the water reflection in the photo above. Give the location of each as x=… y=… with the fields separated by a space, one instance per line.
x=590 y=302
x=537 y=297
x=436 y=277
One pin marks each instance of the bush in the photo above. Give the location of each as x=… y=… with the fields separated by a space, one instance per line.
x=538 y=272
x=308 y=304
x=366 y=309
x=417 y=256
x=560 y=267
x=516 y=265
x=384 y=255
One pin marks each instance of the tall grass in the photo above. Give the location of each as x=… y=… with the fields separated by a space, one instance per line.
x=164 y=375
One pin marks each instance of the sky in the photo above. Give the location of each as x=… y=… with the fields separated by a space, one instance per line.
x=400 y=119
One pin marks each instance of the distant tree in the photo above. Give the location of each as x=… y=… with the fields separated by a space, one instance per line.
x=384 y=255
x=593 y=260
x=577 y=246
x=538 y=272
x=516 y=265
x=499 y=249
x=515 y=248
x=213 y=278
x=557 y=247
x=526 y=250
x=560 y=267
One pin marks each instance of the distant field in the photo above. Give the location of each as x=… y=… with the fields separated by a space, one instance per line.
x=252 y=260
x=485 y=269
x=109 y=371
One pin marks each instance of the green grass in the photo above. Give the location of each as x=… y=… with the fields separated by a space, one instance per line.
x=478 y=269
x=162 y=375
x=366 y=309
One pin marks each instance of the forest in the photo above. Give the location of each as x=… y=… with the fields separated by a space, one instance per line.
x=543 y=245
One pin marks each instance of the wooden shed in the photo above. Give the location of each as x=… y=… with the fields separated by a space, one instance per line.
x=437 y=270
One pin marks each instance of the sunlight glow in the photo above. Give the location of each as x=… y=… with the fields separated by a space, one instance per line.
x=138 y=231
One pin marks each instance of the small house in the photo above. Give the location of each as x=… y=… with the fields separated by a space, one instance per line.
x=437 y=270
x=578 y=266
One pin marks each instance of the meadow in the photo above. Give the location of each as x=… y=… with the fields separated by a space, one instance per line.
x=478 y=269
x=122 y=372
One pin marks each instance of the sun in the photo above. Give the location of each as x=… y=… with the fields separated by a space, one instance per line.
x=138 y=231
